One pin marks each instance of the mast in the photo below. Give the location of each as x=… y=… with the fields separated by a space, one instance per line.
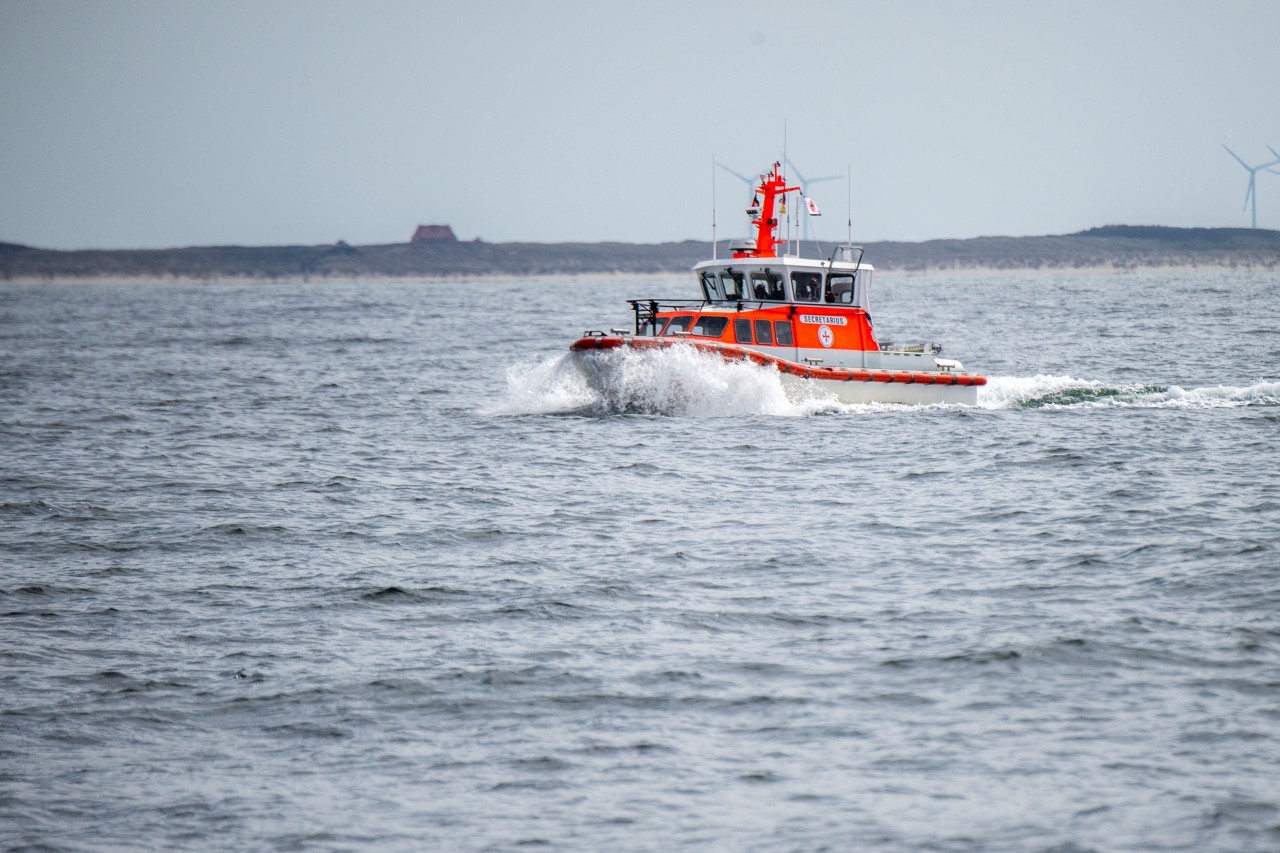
x=772 y=186
x=713 y=207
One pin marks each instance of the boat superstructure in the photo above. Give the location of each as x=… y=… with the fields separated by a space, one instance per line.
x=808 y=318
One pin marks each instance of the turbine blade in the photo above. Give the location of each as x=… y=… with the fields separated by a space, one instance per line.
x=1238 y=160
x=804 y=182
x=748 y=181
x=1276 y=153
x=1248 y=193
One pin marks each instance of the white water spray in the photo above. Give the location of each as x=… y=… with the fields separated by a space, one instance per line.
x=675 y=381
x=680 y=381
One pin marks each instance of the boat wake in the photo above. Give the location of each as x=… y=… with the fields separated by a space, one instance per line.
x=680 y=381
x=1065 y=392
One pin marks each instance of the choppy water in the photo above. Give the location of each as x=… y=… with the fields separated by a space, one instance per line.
x=327 y=567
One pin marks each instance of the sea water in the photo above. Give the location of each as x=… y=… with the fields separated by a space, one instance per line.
x=367 y=566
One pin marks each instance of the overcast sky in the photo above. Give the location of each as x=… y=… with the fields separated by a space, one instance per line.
x=160 y=123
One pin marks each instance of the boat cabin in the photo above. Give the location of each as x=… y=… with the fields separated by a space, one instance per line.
x=799 y=309
x=785 y=280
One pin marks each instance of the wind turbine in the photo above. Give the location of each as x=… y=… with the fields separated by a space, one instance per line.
x=800 y=179
x=1251 y=194
x=804 y=188
x=751 y=184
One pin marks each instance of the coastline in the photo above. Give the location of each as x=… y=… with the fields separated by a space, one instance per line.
x=881 y=272
x=1111 y=249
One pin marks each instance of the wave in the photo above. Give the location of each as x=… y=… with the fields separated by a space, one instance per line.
x=681 y=381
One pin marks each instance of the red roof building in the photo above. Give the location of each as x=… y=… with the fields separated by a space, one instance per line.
x=432 y=232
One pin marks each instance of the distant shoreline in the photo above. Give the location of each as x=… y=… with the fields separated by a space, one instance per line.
x=229 y=281
x=1110 y=249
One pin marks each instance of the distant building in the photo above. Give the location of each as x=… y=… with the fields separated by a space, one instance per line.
x=432 y=232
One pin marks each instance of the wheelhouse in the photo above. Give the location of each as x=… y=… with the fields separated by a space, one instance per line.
x=788 y=307
x=782 y=281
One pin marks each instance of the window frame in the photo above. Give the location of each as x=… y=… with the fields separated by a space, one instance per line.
x=817 y=290
x=711 y=318
x=688 y=321
x=775 y=285
x=829 y=297
x=790 y=330
x=739 y=284
x=711 y=287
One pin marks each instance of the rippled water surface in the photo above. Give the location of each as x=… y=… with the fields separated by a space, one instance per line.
x=355 y=566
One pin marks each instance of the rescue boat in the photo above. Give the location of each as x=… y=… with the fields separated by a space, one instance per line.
x=807 y=318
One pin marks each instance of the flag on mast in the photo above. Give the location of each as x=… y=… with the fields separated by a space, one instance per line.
x=813 y=206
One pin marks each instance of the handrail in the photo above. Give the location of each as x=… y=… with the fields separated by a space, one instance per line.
x=646 y=309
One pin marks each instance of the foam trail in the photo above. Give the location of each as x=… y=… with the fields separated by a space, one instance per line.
x=1061 y=392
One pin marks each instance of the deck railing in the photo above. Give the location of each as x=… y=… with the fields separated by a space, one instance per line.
x=646 y=309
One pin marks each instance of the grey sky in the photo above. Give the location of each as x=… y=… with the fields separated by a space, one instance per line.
x=150 y=124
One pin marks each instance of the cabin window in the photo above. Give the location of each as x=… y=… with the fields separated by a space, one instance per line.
x=766 y=286
x=764 y=332
x=709 y=327
x=650 y=327
x=840 y=289
x=807 y=286
x=742 y=330
x=782 y=332
x=710 y=287
x=678 y=324
x=732 y=284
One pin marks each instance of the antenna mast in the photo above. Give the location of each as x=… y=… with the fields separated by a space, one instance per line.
x=784 y=197
x=848 y=183
x=713 y=207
